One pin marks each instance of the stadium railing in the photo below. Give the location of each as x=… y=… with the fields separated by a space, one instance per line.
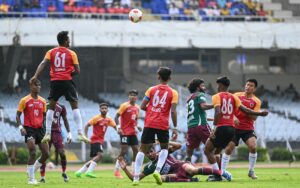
x=148 y=17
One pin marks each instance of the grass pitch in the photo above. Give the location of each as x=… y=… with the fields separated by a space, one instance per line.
x=268 y=178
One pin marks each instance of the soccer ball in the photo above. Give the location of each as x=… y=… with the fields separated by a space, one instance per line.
x=135 y=15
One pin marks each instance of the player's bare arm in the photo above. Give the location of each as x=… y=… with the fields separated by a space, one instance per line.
x=119 y=130
x=251 y=112
x=205 y=106
x=18 y=120
x=217 y=115
x=174 y=120
x=40 y=69
x=173 y=146
x=86 y=129
x=123 y=165
x=67 y=126
x=210 y=119
x=77 y=70
x=144 y=104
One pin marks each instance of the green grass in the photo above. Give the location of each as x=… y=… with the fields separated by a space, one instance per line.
x=272 y=178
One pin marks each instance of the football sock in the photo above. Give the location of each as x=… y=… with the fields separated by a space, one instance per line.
x=132 y=166
x=224 y=161
x=163 y=154
x=215 y=166
x=83 y=169
x=43 y=170
x=252 y=160
x=30 y=172
x=93 y=164
x=208 y=171
x=193 y=159
x=138 y=164
x=37 y=165
x=78 y=120
x=63 y=165
x=49 y=120
x=117 y=166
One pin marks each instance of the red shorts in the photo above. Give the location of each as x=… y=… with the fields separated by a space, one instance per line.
x=196 y=135
x=56 y=140
x=181 y=173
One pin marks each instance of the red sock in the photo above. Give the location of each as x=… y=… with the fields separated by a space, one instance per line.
x=175 y=179
x=63 y=165
x=43 y=170
x=208 y=171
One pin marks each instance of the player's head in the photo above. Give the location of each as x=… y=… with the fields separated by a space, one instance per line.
x=35 y=86
x=132 y=95
x=251 y=85
x=151 y=154
x=196 y=84
x=164 y=74
x=223 y=83
x=63 y=38
x=103 y=108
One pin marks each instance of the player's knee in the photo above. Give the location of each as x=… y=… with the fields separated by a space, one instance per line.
x=252 y=149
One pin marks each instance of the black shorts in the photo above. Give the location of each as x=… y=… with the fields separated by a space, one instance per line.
x=34 y=133
x=244 y=135
x=223 y=135
x=65 y=88
x=130 y=140
x=95 y=149
x=148 y=136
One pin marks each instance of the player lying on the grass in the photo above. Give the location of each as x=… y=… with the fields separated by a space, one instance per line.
x=100 y=124
x=173 y=170
x=57 y=140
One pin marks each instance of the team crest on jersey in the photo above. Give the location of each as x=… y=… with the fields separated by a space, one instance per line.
x=251 y=105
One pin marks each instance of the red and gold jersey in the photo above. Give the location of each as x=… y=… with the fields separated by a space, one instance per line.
x=100 y=126
x=62 y=63
x=228 y=103
x=160 y=98
x=129 y=114
x=245 y=121
x=33 y=110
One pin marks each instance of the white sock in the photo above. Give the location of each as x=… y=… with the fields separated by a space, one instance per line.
x=252 y=160
x=193 y=159
x=224 y=161
x=78 y=120
x=30 y=172
x=83 y=169
x=138 y=164
x=117 y=166
x=49 y=120
x=215 y=166
x=132 y=166
x=163 y=154
x=93 y=164
x=37 y=165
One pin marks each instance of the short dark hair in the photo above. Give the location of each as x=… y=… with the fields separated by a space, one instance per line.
x=103 y=104
x=224 y=80
x=133 y=91
x=194 y=83
x=62 y=37
x=35 y=82
x=253 y=80
x=164 y=73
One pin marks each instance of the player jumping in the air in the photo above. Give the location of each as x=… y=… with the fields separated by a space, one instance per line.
x=63 y=65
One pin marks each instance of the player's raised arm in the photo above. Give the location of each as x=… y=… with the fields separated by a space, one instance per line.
x=41 y=66
x=173 y=146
